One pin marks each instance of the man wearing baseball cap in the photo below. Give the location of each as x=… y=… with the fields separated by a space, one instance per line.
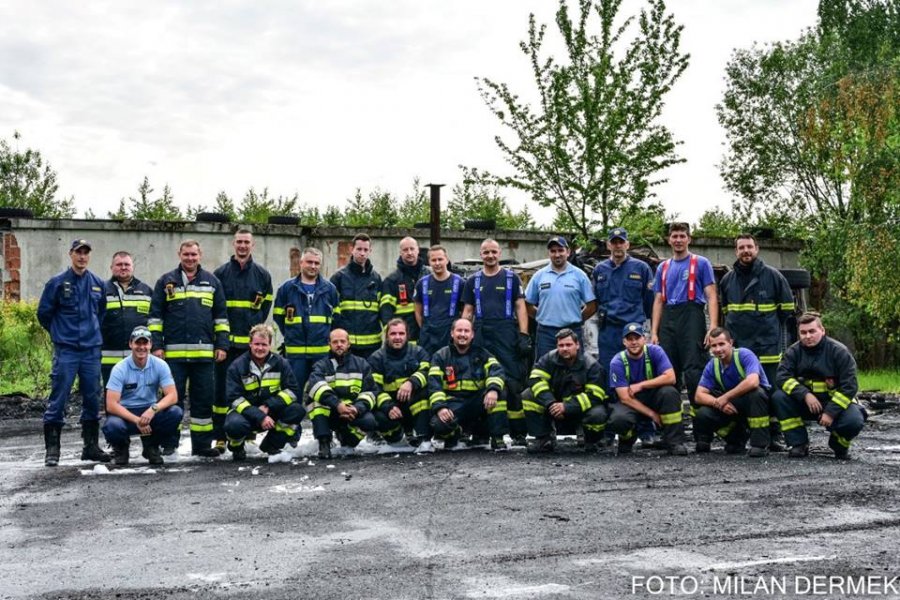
x=132 y=407
x=71 y=308
x=559 y=296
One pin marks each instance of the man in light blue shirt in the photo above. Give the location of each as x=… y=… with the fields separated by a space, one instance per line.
x=559 y=296
x=132 y=407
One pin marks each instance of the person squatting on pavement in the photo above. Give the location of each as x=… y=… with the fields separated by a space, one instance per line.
x=559 y=296
x=189 y=321
x=644 y=379
x=248 y=298
x=400 y=372
x=495 y=303
x=342 y=395
x=359 y=290
x=127 y=307
x=684 y=284
x=623 y=287
x=304 y=306
x=757 y=301
x=262 y=395
x=438 y=301
x=398 y=289
x=465 y=386
x=132 y=407
x=71 y=308
x=733 y=395
x=816 y=380
x=566 y=386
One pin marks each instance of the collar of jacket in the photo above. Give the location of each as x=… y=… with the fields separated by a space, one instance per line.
x=362 y=270
x=197 y=273
x=320 y=281
x=755 y=267
x=577 y=364
x=395 y=353
x=236 y=263
x=413 y=271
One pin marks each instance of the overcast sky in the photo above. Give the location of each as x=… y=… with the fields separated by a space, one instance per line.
x=316 y=97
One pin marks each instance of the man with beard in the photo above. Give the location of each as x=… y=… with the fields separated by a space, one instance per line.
x=398 y=289
x=566 y=388
x=262 y=395
x=342 y=395
x=757 y=301
x=359 y=291
x=438 y=300
x=644 y=379
x=465 y=384
x=558 y=296
x=494 y=301
x=733 y=397
x=816 y=381
x=400 y=372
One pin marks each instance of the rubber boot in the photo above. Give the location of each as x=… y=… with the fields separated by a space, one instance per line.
x=51 y=441
x=90 y=433
x=151 y=450
x=120 y=454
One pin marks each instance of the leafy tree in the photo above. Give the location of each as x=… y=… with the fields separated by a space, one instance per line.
x=378 y=209
x=26 y=182
x=146 y=208
x=593 y=144
x=257 y=207
x=415 y=206
x=478 y=197
x=718 y=223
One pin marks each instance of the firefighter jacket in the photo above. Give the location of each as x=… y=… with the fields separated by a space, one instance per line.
x=304 y=319
x=828 y=371
x=392 y=368
x=71 y=309
x=126 y=308
x=578 y=386
x=397 y=295
x=755 y=314
x=248 y=297
x=346 y=379
x=455 y=376
x=249 y=386
x=188 y=318
x=359 y=292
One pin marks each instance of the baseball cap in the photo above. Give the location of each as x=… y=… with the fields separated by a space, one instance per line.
x=76 y=244
x=633 y=328
x=617 y=233
x=558 y=240
x=141 y=333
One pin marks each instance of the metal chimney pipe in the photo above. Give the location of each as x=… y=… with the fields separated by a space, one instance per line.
x=435 y=211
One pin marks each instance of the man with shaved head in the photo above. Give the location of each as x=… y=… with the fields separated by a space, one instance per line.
x=399 y=287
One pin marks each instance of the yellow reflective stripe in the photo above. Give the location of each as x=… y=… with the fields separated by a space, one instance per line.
x=464 y=385
x=388 y=299
x=514 y=414
x=840 y=399
x=378 y=378
x=110 y=360
x=417 y=407
x=758 y=422
x=319 y=411
x=365 y=339
x=243 y=405
x=436 y=371
x=155 y=327
x=787 y=306
x=382 y=398
x=365 y=305
x=420 y=377
x=670 y=418
x=499 y=407
x=221 y=327
x=819 y=387
x=318 y=319
x=405 y=309
x=584 y=402
x=278 y=310
x=792 y=423
x=201 y=424
x=393 y=386
x=724 y=431
x=284 y=427
x=595 y=428
x=768 y=359
x=540 y=386
x=438 y=397
x=219 y=410
x=789 y=385
x=494 y=381
x=539 y=373
x=241 y=304
x=841 y=440
x=490 y=362
x=596 y=390
x=286 y=396
x=347 y=382
x=305 y=349
x=531 y=406
x=239 y=339
x=190 y=353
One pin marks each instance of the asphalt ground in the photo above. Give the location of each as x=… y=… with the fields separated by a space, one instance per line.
x=461 y=524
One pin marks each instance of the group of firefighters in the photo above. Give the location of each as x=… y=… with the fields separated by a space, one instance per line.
x=429 y=358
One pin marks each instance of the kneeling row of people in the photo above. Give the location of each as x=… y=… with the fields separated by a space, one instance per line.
x=401 y=390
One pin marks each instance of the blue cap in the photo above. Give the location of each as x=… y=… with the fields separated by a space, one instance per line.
x=617 y=233
x=76 y=244
x=558 y=240
x=633 y=328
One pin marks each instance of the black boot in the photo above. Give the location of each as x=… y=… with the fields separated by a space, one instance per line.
x=120 y=454
x=324 y=448
x=777 y=438
x=151 y=450
x=51 y=441
x=90 y=433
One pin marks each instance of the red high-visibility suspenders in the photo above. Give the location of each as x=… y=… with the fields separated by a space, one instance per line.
x=692 y=278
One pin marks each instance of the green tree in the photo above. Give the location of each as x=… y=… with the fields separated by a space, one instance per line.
x=146 y=208
x=377 y=209
x=479 y=197
x=415 y=206
x=257 y=207
x=27 y=182
x=593 y=144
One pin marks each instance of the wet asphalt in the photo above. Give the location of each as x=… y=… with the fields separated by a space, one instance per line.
x=462 y=524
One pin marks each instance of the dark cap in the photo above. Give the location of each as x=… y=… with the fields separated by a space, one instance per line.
x=76 y=244
x=558 y=240
x=141 y=333
x=633 y=328
x=617 y=234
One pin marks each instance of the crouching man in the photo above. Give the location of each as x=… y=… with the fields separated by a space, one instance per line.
x=816 y=380
x=342 y=393
x=132 y=407
x=733 y=397
x=262 y=395
x=565 y=387
x=644 y=381
x=466 y=384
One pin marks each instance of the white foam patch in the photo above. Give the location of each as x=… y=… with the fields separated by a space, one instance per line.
x=207 y=577
x=295 y=488
x=500 y=587
x=281 y=457
x=769 y=561
x=100 y=470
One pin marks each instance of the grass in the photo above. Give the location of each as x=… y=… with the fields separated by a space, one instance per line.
x=882 y=380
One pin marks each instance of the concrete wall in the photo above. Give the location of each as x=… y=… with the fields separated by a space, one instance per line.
x=35 y=249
